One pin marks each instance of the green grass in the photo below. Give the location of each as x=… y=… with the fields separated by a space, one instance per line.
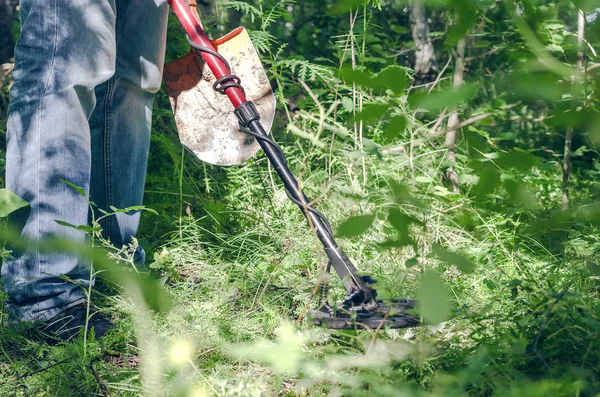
x=527 y=317
x=241 y=270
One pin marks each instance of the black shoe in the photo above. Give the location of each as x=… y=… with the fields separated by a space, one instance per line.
x=67 y=324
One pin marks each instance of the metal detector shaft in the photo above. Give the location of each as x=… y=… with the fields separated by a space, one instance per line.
x=359 y=291
x=356 y=287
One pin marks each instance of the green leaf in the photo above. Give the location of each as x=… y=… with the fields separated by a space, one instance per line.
x=466 y=17
x=116 y=210
x=86 y=228
x=67 y=224
x=370 y=146
x=140 y=208
x=10 y=202
x=159 y=259
x=554 y=48
x=586 y=5
x=393 y=77
x=83 y=228
x=439 y=100
x=452 y=258
x=394 y=128
x=397 y=217
x=356 y=76
x=244 y=7
x=563 y=116
x=399 y=29
x=155 y=296
x=344 y=6
x=401 y=242
x=488 y=180
x=399 y=221
x=482 y=44
x=402 y=195
x=355 y=226
x=518 y=159
x=593 y=268
x=284 y=356
x=535 y=86
x=74 y=186
x=412 y=262
x=348 y=104
x=433 y=299
x=372 y=112
x=520 y=194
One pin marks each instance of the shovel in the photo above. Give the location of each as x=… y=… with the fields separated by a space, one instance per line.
x=206 y=125
x=225 y=123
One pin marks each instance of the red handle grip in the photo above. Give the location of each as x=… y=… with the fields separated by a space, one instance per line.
x=195 y=31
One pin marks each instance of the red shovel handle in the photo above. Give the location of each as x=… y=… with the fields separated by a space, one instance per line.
x=196 y=33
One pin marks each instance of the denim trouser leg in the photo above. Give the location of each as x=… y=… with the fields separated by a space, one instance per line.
x=121 y=123
x=67 y=48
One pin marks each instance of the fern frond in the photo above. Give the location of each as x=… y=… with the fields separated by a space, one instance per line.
x=262 y=40
x=276 y=12
x=306 y=70
x=244 y=8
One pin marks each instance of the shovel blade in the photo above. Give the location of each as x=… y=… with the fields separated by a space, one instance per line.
x=205 y=120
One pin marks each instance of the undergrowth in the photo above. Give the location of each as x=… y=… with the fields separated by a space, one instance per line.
x=510 y=278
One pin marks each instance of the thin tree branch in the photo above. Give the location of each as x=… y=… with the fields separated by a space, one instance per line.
x=407 y=50
x=485 y=54
x=437 y=134
x=103 y=386
x=594 y=66
x=439 y=76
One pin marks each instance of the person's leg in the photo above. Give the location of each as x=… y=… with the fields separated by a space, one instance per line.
x=121 y=122
x=66 y=48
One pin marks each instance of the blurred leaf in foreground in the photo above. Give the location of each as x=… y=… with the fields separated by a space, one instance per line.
x=283 y=356
x=403 y=196
x=433 y=299
x=393 y=77
x=10 y=202
x=355 y=226
x=436 y=101
x=452 y=258
x=154 y=296
x=394 y=128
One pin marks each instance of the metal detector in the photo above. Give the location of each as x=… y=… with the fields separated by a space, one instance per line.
x=199 y=85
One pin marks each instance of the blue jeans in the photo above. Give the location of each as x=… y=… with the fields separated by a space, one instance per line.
x=85 y=76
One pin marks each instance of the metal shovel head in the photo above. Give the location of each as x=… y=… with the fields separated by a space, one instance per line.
x=205 y=120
